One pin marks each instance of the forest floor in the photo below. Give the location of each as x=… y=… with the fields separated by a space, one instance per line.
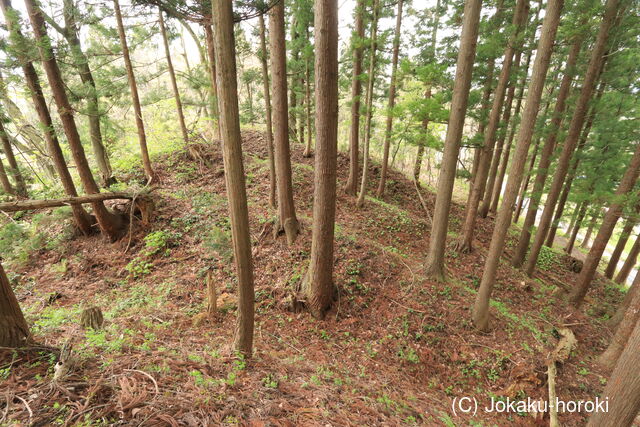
x=395 y=349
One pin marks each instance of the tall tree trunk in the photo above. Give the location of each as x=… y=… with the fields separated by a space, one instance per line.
x=587 y=236
x=459 y=100
x=286 y=208
x=135 y=99
x=14 y=331
x=213 y=86
x=369 y=106
x=525 y=183
x=307 y=105
x=110 y=224
x=172 y=76
x=234 y=171
x=480 y=180
x=392 y=101
x=624 y=329
x=80 y=216
x=620 y=245
x=4 y=180
x=295 y=56
x=579 y=114
x=546 y=155
x=319 y=288
x=576 y=228
x=267 y=109
x=548 y=31
x=14 y=170
x=351 y=186
x=623 y=388
x=606 y=229
x=629 y=262
x=622 y=308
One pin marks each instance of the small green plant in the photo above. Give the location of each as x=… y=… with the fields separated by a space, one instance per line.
x=547 y=259
x=270 y=381
x=154 y=243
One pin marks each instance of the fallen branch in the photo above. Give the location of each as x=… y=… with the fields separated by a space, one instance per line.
x=561 y=353
x=26 y=205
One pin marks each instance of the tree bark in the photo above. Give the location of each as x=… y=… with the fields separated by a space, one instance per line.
x=546 y=155
x=459 y=101
x=351 y=186
x=172 y=76
x=576 y=227
x=622 y=308
x=4 y=180
x=620 y=245
x=135 y=99
x=80 y=216
x=624 y=329
x=525 y=184
x=213 y=87
x=307 y=105
x=587 y=236
x=369 y=106
x=267 y=109
x=319 y=288
x=579 y=114
x=480 y=180
x=234 y=171
x=629 y=262
x=392 y=101
x=623 y=388
x=606 y=229
x=286 y=208
x=548 y=31
x=14 y=331
x=27 y=205
x=109 y=223
x=14 y=170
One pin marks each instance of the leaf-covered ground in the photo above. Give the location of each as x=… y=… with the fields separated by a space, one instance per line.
x=395 y=349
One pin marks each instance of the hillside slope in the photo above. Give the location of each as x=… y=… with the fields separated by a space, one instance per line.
x=395 y=349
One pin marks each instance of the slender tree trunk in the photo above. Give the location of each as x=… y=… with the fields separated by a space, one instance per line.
x=172 y=76
x=624 y=329
x=460 y=98
x=14 y=170
x=234 y=171
x=356 y=93
x=546 y=155
x=579 y=114
x=620 y=245
x=369 y=106
x=525 y=184
x=319 y=288
x=623 y=388
x=286 y=208
x=213 y=87
x=606 y=228
x=80 y=216
x=624 y=305
x=629 y=262
x=576 y=228
x=307 y=104
x=4 y=180
x=109 y=223
x=392 y=101
x=480 y=180
x=14 y=331
x=135 y=99
x=417 y=166
x=548 y=31
x=587 y=236
x=267 y=109
x=295 y=56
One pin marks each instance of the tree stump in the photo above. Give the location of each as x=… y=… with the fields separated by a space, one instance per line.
x=92 y=318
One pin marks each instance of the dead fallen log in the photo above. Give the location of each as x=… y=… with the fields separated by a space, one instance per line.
x=28 y=205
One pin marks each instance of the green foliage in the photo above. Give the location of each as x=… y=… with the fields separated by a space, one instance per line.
x=548 y=259
x=155 y=242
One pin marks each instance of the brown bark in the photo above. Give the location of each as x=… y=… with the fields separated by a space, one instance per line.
x=620 y=245
x=576 y=228
x=81 y=218
x=172 y=76
x=14 y=331
x=622 y=308
x=624 y=329
x=286 y=208
x=525 y=183
x=319 y=288
x=480 y=180
x=571 y=140
x=606 y=229
x=267 y=109
x=546 y=155
x=392 y=102
x=351 y=186
x=460 y=98
x=632 y=257
x=307 y=106
x=369 y=106
x=109 y=223
x=623 y=388
x=14 y=170
x=295 y=56
x=26 y=205
x=234 y=171
x=548 y=31
x=590 y=227
x=213 y=86
x=135 y=99
x=4 y=180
